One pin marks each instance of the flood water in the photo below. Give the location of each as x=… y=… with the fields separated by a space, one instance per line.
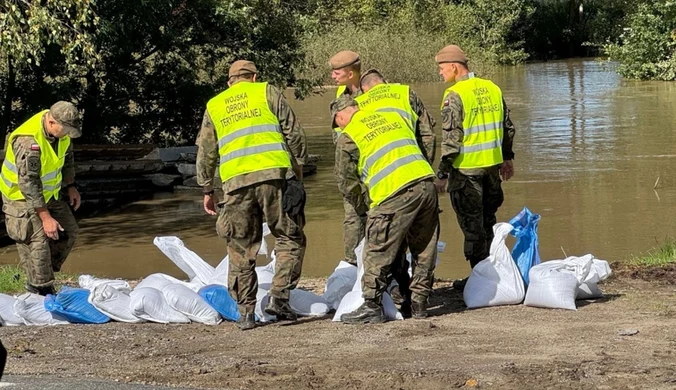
x=589 y=149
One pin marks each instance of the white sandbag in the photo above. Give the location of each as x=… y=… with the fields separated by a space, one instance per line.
x=495 y=280
x=7 y=315
x=150 y=304
x=554 y=284
x=90 y=283
x=159 y=281
x=185 y=259
x=589 y=288
x=220 y=275
x=340 y=283
x=359 y=252
x=31 y=309
x=264 y=246
x=189 y=303
x=113 y=303
x=306 y=303
x=354 y=299
x=266 y=273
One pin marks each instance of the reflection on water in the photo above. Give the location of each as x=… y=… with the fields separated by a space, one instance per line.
x=589 y=148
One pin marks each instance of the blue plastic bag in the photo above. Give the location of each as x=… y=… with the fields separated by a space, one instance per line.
x=526 y=252
x=72 y=304
x=218 y=297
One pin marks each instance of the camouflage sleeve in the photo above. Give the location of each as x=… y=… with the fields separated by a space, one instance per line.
x=291 y=128
x=207 y=153
x=452 y=115
x=29 y=167
x=424 y=128
x=69 y=166
x=508 y=137
x=347 y=160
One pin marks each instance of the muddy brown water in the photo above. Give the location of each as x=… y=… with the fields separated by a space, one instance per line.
x=589 y=149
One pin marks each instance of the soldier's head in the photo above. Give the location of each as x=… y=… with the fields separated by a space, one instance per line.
x=63 y=119
x=452 y=63
x=345 y=68
x=370 y=79
x=342 y=110
x=242 y=70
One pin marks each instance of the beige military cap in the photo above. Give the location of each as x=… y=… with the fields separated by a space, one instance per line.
x=242 y=67
x=451 y=53
x=343 y=59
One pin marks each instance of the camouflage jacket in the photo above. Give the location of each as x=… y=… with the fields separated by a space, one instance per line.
x=207 y=142
x=452 y=116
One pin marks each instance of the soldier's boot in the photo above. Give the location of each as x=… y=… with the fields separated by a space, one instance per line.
x=419 y=310
x=247 y=321
x=405 y=309
x=368 y=312
x=281 y=309
x=44 y=291
x=459 y=285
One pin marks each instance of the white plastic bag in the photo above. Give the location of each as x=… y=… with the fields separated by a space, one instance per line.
x=340 y=283
x=554 y=284
x=185 y=259
x=264 y=245
x=7 y=315
x=589 y=288
x=113 y=303
x=159 y=281
x=354 y=299
x=220 y=275
x=189 y=303
x=151 y=305
x=31 y=309
x=306 y=303
x=90 y=283
x=495 y=280
x=266 y=273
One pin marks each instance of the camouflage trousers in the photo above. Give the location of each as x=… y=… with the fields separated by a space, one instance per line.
x=410 y=217
x=353 y=231
x=476 y=199
x=240 y=223
x=39 y=255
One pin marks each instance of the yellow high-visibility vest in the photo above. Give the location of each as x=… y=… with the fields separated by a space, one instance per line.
x=483 y=123
x=389 y=155
x=249 y=136
x=51 y=162
x=389 y=98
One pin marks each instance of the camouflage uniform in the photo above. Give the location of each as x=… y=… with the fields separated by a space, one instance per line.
x=476 y=194
x=408 y=218
x=39 y=255
x=254 y=198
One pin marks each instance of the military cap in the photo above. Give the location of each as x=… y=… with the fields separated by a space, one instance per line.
x=242 y=67
x=339 y=104
x=451 y=53
x=343 y=59
x=68 y=116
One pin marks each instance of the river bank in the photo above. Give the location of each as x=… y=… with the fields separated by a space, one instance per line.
x=509 y=347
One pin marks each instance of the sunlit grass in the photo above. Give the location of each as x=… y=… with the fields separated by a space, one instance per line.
x=663 y=255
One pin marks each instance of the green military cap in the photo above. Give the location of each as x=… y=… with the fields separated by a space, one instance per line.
x=451 y=53
x=242 y=67
x=68 y=116
x=339 y=104
x=342 y=59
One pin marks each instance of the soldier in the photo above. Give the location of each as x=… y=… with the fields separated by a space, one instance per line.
x=476 y=151
x=378 y=95
x=379 y=150
x=346 y=70
x=252 y=135
x=38 y=163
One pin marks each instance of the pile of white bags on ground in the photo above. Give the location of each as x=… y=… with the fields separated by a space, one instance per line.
x=353 y=299
x=556 y=284
x=495 y=280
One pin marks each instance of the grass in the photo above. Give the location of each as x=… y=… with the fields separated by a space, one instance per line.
x=13 y=279
x=663 y=255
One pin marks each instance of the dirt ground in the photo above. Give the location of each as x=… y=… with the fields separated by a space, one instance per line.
x=515 y=347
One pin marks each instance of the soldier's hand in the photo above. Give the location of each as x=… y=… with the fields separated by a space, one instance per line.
x=74 y=196
x=51 y=228
x=507 y=170
x=210 y=202
x=441 y=185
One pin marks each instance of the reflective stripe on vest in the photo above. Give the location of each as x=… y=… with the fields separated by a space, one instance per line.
x=389 y=156
x=51 y=162
x=483 y=123
x=249 y=136
x=389 y=98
